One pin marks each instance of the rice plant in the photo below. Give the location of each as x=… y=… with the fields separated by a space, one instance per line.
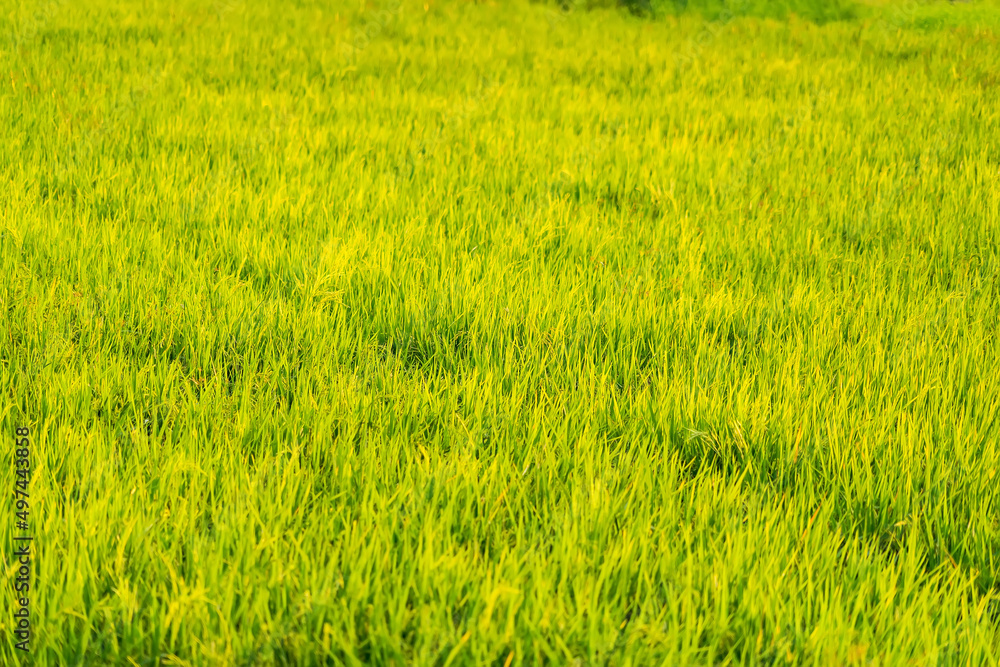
x=449 y=333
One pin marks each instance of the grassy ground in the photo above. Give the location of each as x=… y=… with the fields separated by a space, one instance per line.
x=470 y=334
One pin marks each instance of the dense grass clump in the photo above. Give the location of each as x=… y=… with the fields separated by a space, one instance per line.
x=450 y=333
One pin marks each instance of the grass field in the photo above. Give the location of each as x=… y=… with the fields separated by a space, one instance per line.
x=499 y=334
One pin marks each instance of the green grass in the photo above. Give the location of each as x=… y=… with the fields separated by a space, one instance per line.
x=477 y=334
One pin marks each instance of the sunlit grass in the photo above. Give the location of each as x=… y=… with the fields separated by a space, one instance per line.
x=502 y=334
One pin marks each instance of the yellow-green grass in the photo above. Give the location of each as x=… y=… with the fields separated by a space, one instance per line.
x=471 y=334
